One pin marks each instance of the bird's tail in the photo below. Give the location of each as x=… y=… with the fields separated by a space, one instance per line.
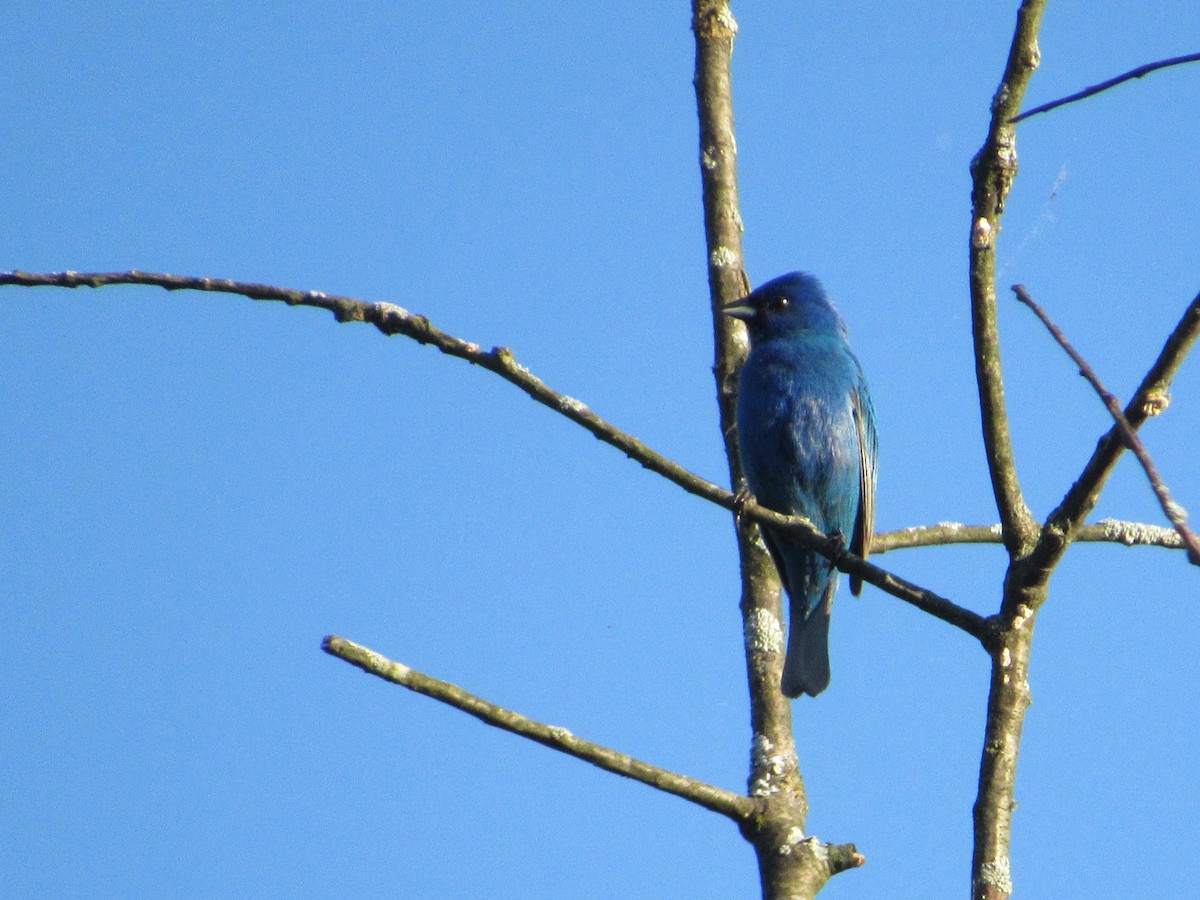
x=806 y=668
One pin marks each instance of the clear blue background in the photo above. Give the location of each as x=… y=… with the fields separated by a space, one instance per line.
x=197 y=488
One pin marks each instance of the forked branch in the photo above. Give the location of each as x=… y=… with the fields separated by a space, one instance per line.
x=992 y=173
x=1139 y=72
x=1173 y=511
x=1084 y=493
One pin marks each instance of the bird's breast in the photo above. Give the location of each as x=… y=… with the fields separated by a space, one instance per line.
x=797 y=433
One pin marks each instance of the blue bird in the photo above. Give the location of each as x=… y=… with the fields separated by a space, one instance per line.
x=806 y=438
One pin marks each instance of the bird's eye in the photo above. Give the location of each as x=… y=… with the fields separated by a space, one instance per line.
x=779 y=304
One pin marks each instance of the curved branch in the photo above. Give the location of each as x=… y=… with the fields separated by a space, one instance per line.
x=1173 y=511
x=391 y=319
x=1139 y=72
x=727 y=803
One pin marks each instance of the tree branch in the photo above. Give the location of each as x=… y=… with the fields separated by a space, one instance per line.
x=1149 y=399
x=804 y=532
x=1113 y=531
x=1173 y=511
x=992 y=172
x=1139 y=72
x=789 y=865
x=727 y=803
x=391 y=320
x=775 y=769
x=1130 y=534
x=394 y=320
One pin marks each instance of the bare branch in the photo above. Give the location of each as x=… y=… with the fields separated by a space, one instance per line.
x=1131 y=534
x=941 y=534
x=727 y=803
x=391 y=319
x=992 y=172
x=1081 y=499
x=1173 y=511
x=774 y=772
x=1112 y=531
x=789 y=865
x=803 y=531
x=1139 y=72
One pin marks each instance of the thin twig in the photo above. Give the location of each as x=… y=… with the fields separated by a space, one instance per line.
x=1139 y=72
x=727 y=803
x=1174 y=512
x=1113 y=531
x=1084 y=493
x=391 y=319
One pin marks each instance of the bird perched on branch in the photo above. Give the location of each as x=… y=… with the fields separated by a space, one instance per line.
x=806 y=438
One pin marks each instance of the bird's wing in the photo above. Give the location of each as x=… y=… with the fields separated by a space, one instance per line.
x=868 y=448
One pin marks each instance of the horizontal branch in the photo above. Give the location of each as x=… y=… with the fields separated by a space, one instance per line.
x=1131 y=534
x=734 y=806
x=1139 y=72
x=392 y=320
x=1112 y=531
x=1173 y=511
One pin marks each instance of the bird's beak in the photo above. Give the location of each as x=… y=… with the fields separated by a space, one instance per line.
x=739 y=309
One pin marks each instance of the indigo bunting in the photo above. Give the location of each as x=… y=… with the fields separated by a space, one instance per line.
x=806 y=438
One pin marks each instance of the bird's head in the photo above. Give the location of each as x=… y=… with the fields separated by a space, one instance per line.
x=789 y=305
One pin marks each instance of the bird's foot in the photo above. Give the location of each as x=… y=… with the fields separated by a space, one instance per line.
x=835 y=542
x=741 y=499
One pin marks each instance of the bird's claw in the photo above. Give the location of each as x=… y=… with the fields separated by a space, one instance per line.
x=741 y=499
x=835 y=542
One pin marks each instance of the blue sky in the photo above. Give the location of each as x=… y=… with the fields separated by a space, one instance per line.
x=198 y=488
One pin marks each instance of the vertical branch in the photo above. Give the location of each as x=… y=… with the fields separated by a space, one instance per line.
x=1008 y=699
x=715 y=28
x=1025 y=591
x=789 y=865
x=993 y=170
